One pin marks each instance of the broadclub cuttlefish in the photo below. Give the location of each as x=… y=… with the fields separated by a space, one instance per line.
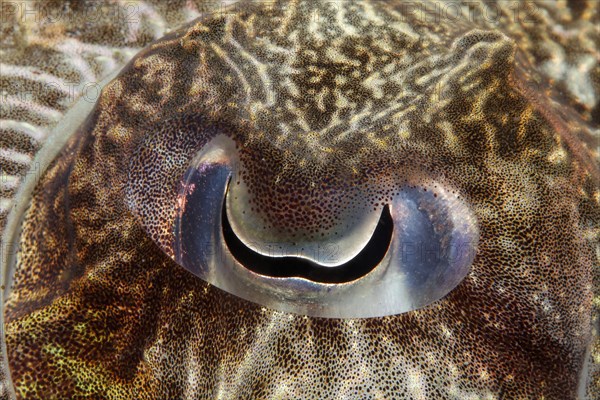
x=305 y=199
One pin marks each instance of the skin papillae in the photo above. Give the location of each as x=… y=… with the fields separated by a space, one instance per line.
x=500 y=109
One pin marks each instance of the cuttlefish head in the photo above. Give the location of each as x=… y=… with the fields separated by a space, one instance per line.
x=270 y=204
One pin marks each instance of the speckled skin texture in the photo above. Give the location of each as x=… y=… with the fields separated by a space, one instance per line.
x=317 y=94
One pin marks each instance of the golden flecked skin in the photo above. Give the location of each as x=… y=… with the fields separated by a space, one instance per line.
x=98 y=310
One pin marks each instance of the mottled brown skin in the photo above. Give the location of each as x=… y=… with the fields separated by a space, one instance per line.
x=98 y=310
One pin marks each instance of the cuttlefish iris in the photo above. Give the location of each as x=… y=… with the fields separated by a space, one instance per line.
x=321 y=200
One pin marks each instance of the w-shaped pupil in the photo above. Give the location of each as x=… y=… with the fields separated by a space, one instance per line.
x=287 y=267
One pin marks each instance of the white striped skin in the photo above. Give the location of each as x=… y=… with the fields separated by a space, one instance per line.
x=271 y=326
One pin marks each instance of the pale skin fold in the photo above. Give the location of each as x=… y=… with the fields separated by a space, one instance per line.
x=501 y=109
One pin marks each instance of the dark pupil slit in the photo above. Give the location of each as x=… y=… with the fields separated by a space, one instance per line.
x=287 y=267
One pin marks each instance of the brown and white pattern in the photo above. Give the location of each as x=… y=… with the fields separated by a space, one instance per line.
x=497 y=100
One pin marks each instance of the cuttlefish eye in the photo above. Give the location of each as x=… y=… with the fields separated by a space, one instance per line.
x=368 y=254
x=304 y=199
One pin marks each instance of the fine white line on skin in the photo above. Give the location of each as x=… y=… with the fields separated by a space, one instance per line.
x=36 y=133
x=15 y=156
